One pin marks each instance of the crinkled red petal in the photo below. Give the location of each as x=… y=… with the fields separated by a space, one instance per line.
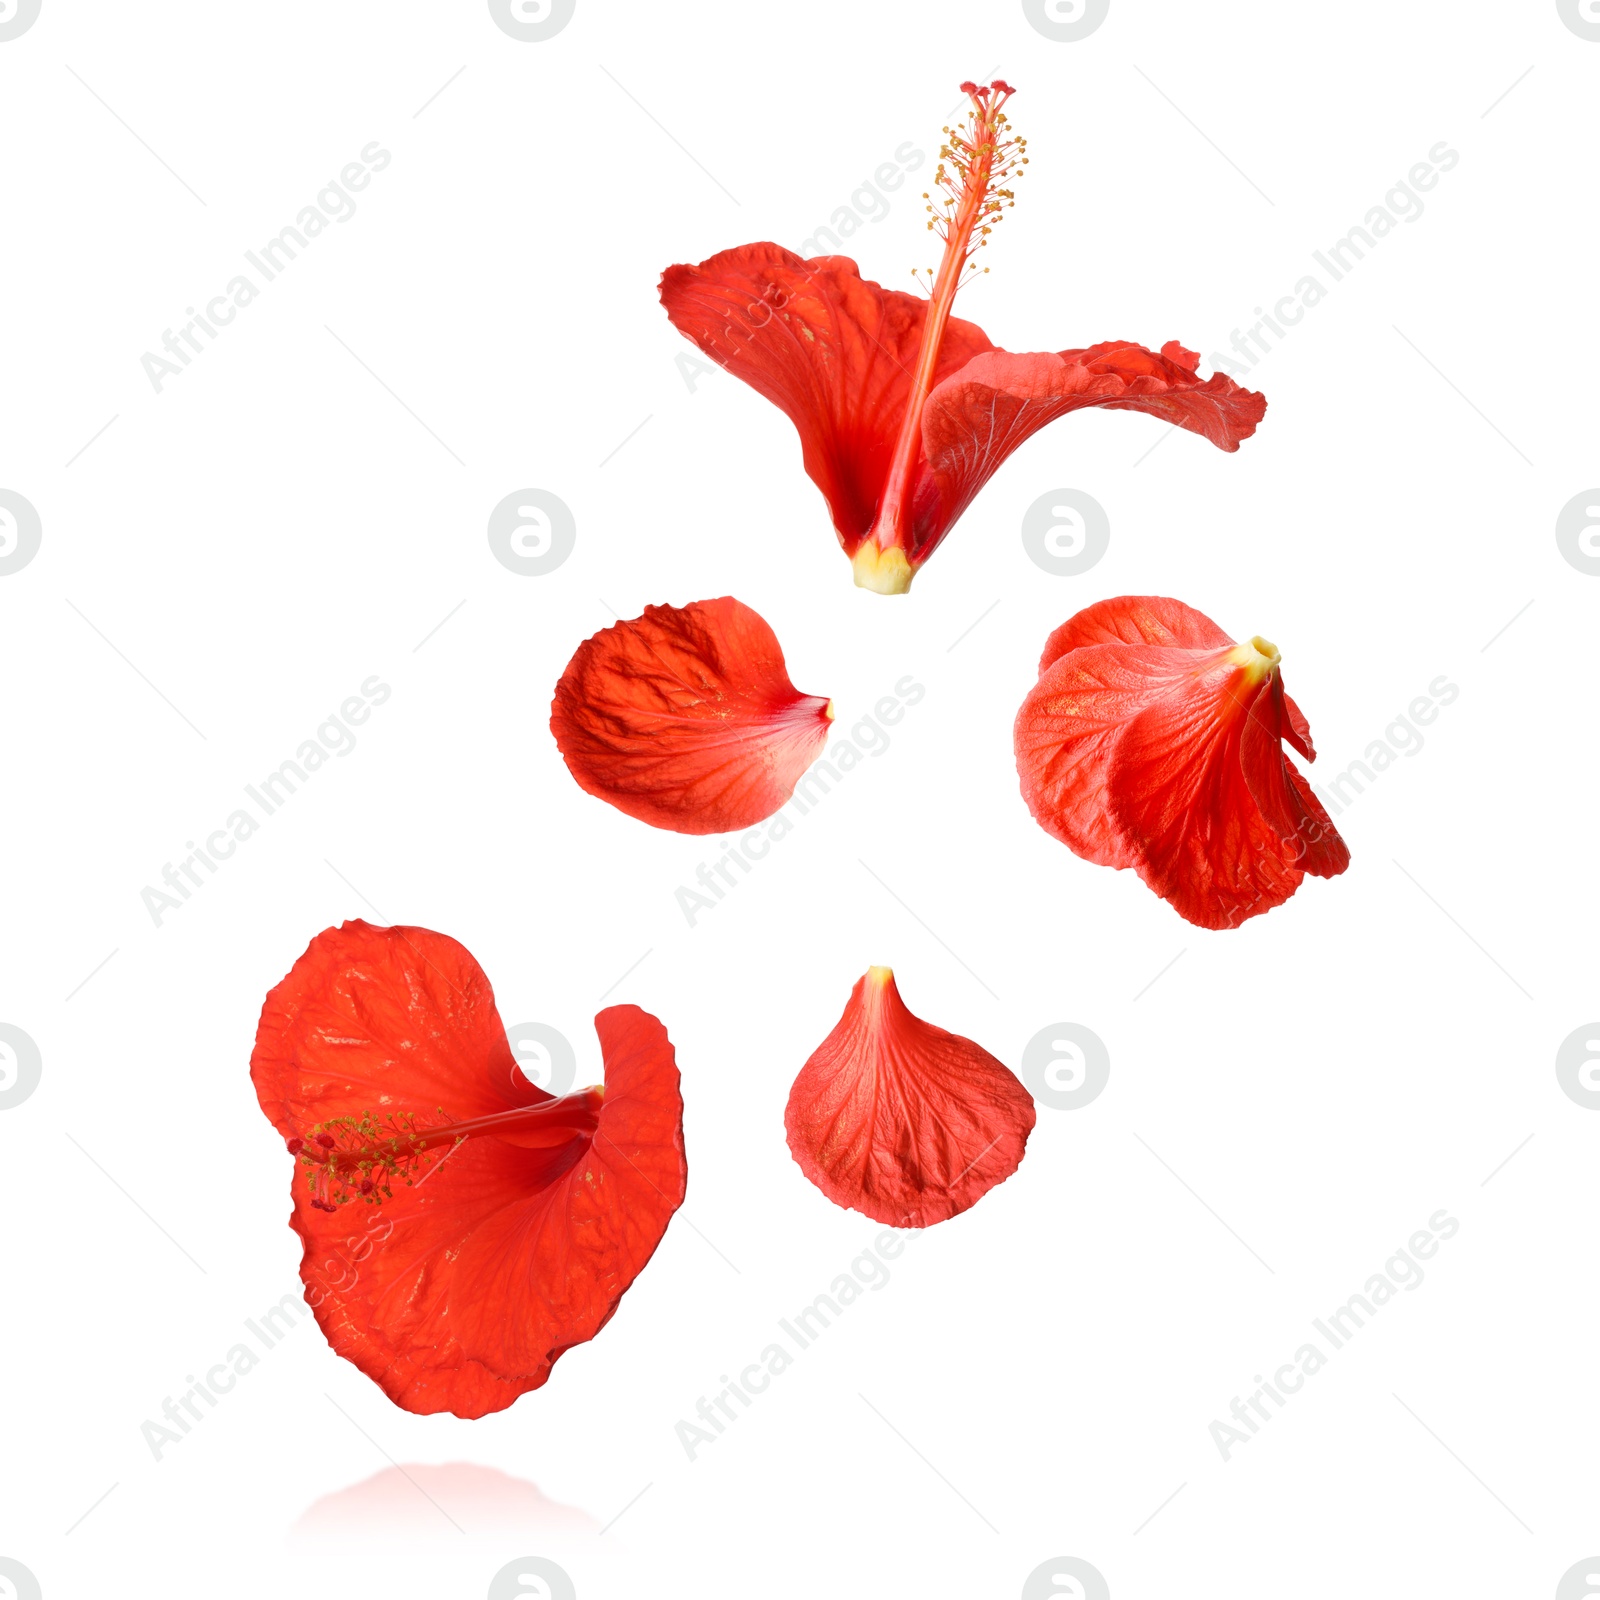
x=459 y=1292
x=834 y=351
x=1146 y=744
x=1292 y=811
x=976 y=417
x=1297 y=730
x=1178 y=792
x=900 y=1120
x=686 y=719
x=1066 y=736
x=1134 y=619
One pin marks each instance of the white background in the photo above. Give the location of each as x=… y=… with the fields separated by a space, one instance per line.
x=1288 y=1103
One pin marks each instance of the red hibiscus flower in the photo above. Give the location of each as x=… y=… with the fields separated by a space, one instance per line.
x=900 y=1120
x=462 y=1228
x=1153 y=741
x=686 y=719
x=905 y=412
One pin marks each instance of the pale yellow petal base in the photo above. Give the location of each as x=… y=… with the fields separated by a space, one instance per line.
x=1258 y=658
x=882 y=571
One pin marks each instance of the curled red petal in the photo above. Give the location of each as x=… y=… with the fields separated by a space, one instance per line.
x=842 y=357
x=976 y=417
x=686 y=719
x=1134 y=619
x=1178 y=792
x=1292 y=811
x=1066 y=737
x=901 y=1120
x=1168 y=758
x=502 y=1225
x=1297 y=730
x=833 y=350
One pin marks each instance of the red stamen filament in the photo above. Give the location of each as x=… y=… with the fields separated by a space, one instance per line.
x=351 y=1158
x=973 y=166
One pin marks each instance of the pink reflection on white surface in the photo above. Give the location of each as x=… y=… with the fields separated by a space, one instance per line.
x=449 y=1499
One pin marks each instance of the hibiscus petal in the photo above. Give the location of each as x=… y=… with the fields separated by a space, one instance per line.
x=1292 y=811
x=1326 y=854
x=1178 y=791
x=686 y=719
x=833 y=350
x=1066 y=736
x=975 y=418
x=458 y=1290
x=1297 y=730
x=1152 y=741
x=900 y=1120
x=1134 y=619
